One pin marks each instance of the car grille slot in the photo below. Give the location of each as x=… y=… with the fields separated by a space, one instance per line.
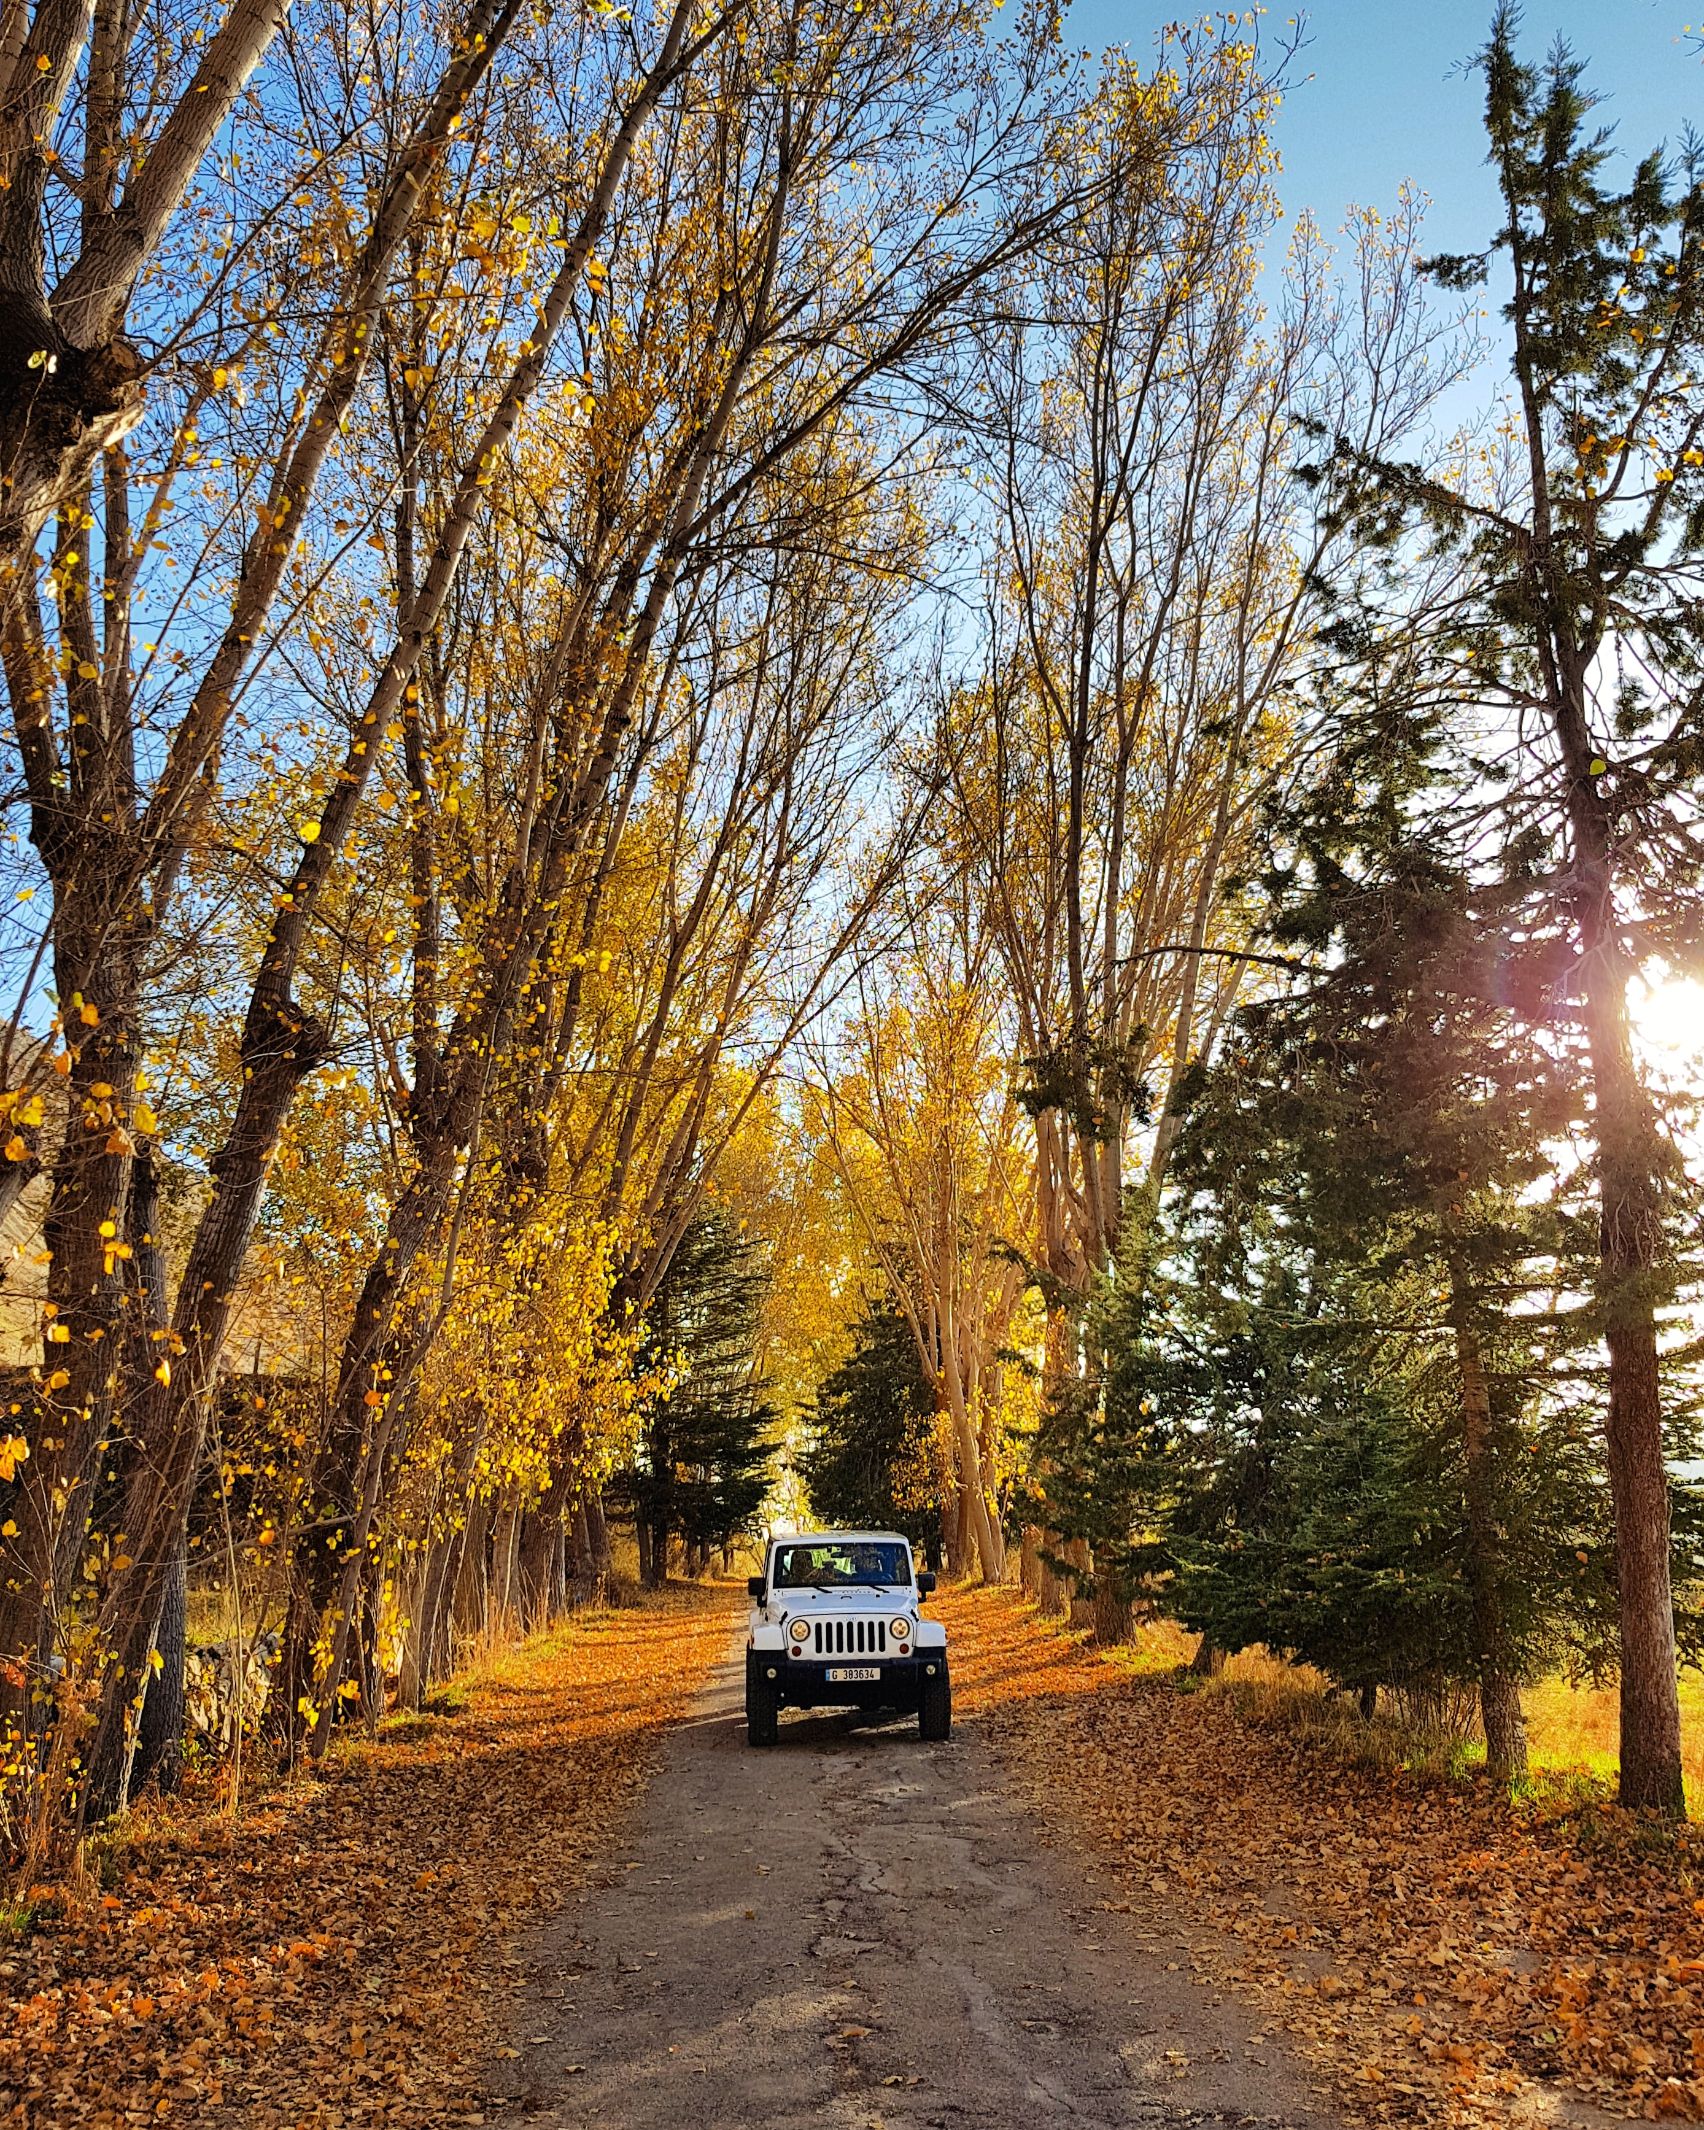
x=850 y=1638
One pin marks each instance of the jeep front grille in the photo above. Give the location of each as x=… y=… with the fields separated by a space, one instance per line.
x=851 y=1638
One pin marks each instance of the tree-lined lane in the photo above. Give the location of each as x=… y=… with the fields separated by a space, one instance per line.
x=854 y=1930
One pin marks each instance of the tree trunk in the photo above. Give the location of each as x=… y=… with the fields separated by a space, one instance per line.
x=159 y=1734
x=642 y=1533
x=1651 y=1768
x=416 y=1652
x=471 y=1614
x=1499 y=1666
x=1082 y=1609
x=1631 y=1158
x=86 y=1290
x=1209 y=1659
x=1053 y=1597
x=588 y=1569
x=1112 y=1613
x=505 y=1544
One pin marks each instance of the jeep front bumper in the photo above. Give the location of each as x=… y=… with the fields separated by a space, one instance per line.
x=804 y=1682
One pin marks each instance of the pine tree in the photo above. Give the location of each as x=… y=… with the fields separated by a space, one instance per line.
x=871 y=1455
x=707 y=1453
x=1340 y=1411
x=1566 y=649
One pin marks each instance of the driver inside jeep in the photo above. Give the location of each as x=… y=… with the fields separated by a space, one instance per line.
x=868 y=1567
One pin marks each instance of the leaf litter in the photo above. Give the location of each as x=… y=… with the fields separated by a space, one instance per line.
x=342 y=1954
x=1435 y=1953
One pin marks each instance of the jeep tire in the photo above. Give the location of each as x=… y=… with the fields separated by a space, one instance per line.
x=935 y=1709
x=763 y=1708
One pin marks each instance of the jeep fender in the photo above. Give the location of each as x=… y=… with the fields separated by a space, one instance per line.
x=768 y=1637
x=931 y=1635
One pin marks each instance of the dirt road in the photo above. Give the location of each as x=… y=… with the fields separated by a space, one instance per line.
x=858 y=1930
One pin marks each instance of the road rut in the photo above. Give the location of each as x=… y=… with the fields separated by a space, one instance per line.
x=858 y=1930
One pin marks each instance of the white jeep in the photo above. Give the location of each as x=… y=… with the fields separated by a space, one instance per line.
x=836 y=1623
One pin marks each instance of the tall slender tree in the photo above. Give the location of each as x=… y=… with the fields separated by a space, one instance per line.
x=1568 y=649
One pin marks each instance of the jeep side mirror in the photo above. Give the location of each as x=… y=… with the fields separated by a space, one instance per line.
x=925 y=1581
x=756 y=1585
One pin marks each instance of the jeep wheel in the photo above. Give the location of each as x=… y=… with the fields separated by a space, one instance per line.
x=763 y=1708
x=935 y=1709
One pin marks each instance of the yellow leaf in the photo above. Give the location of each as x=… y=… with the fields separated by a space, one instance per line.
x=14 y=1451
x=163 y=1374
x=220 y=378
x=59 y=1378
x=16 y=1150
x=308 y=831
x=144 y=1118
x=88 y=1015
x=59 y=1334
x=8 y=1529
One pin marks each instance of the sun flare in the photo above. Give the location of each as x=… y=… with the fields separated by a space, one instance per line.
x=1668 y=1024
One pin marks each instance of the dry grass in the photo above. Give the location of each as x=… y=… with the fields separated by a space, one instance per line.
x=1571 y=1728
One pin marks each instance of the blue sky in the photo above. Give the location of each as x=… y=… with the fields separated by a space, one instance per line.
x=1387 y=101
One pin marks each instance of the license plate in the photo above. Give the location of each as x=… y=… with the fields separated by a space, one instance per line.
x=852 y=1674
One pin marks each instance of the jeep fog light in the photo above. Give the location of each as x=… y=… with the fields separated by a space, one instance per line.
x=800 y=1630
x=901 y=1628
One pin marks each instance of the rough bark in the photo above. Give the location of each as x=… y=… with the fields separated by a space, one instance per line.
x=70 y=386
x=159 y=1734
x=1631 y=1157
x=1081 y=1609
x=1499 y=1668
x=1112 y=1611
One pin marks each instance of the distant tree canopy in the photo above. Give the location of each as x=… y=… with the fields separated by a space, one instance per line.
x=706 y=1456
x=870 y=1454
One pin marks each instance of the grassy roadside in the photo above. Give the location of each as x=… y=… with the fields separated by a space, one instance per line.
x=339 y=1955
x=1436 y=1953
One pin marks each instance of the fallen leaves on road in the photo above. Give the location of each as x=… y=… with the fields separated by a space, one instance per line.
x=341 y=1955
x=1436 y=1953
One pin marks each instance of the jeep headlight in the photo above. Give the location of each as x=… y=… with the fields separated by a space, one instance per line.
x=800 y=1630
x=902 y=1629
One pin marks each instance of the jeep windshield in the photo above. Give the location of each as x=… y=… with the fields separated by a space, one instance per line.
x=867 y=1564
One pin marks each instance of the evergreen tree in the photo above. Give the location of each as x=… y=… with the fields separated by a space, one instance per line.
x=1565 y=651
x=706 y=1455
x=1342 y=1412
x=870 y=1456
